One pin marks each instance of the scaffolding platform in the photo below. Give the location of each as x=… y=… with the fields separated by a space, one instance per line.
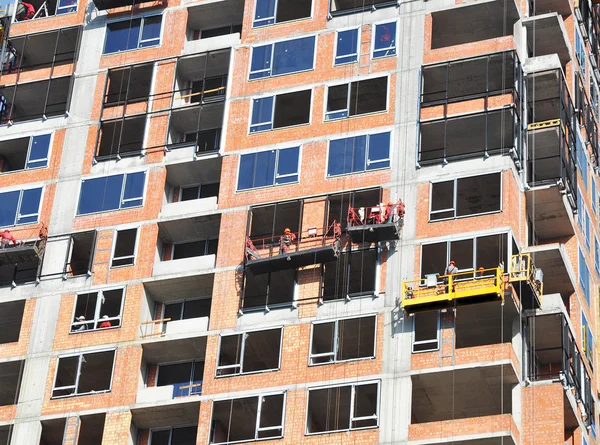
x=445 y=292
x=375 y=224
x=527 y=281
x=21 y=254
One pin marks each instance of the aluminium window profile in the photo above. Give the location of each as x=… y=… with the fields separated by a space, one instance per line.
x=238 y=367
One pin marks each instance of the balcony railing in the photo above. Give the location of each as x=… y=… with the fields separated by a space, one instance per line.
x=585 y=117
x=439 y=292
x=381 y=222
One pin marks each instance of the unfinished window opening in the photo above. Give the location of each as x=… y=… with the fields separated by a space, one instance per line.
x=426 y=331
x=10 y=376
x=209 y=33
x=53 y=432
x=356 y=98
x=469 y=254
x=91 y=429
x=337 y=205
x=174 y=436
x=10 y=323
x=352 y=274
x=269 y=168
x=247 y=419
x=269 y=222
x=200 y=191
x=124 y=250
x=269 y=12
x=186 y=377
x=343 y=340
x=192 y=249
x=474 y=195
x=5 y=434
x=80 y=254
x=206 y=140
x=184 y=310
x=209 y=89
x=128 y=85
x=270 y=290
x=280 y=111
x=111 y=193
x=340 y=7
x=100 y=310
x=249 y=352
x=121 y=137
x=343 y=408
x=25 y=153
x=83 y=374
x=482 y=324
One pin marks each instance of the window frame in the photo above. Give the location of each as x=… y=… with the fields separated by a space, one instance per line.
x=275 y=22
x=77 y=378
x=257 y=428
x=240 y=365
x=199 y=185
x=351 y=417
x=18 y=214
x=580 y=53
x=123 y=184
x=142 y=18
x=455 y=194
x=584 y=281
x=587 y=333
x=346 y=296
x=114 y=247
x=206 y=240
x=269 y=70
x=422 y=342
x=274 y=102
x=275 y=173
x=335 y=46
x=336 y=341
x=348 y=97
x=183 y=301
x=596 y=255
x=582 y=159
x=97 y=317
x=395 y=47
x=367 y=161
x=168 y=428
x=181 y=362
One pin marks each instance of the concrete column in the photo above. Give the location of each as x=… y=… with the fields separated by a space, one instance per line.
x=27 y=432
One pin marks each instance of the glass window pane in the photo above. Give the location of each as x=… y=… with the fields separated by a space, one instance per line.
x=30 y=205
x=100 y=194
x=358 y=155
x=347 y=47
x=379 y=151
x=121 y=37
x=264 y=172
x=184 y=436
x=246 y=175
x=134 y=189
x=38 y=154
x=151 y=31
x=385 y=40
x=261 y=62
x=293 y=56
x=288 y=165
x=8 y=210
x=160 y=437
x=337 y=101
x=262 y=110
x=265 y=13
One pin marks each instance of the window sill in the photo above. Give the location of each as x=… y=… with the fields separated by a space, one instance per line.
x=344 y=64
x=93 y=330
x=463 y=216
x=335 y=362
x=356 y=173
x=354 y=297
x=425 y=350
x=274 y=76
x=122 y=266
x=347 y=430
x=282 y=23
x=264 y=187
x=246 y=373
x=355 y=116
x=23 y=170
x=79 y=395
x=108 y=211
x=131 y=50
x=278 y=129
x=261 y=439
x=373 y=57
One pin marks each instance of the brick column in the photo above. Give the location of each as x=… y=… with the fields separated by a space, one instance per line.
x=117 y=428
x=71 y=435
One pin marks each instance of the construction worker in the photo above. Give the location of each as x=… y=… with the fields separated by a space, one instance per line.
x=5 y=238
x=25 y=11
x=105 y=322
x=251 y=252
x=451 y=269
x=480 y=272
x=82 y=327
x=286 y=240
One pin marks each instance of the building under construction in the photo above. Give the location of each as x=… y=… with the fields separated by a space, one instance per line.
x=299 y=221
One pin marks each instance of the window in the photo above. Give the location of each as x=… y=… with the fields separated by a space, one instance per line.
x=174 y=436
x=283 y=110
x=249 y=352
x=346 y=47
x=111 y=193
x=190 y=249
x=185 y=310
x=426 y=331
x=267 y=168
x=343 y=340
x=470 y=196
x=186 y=378
x=120 y=137
x=124 y=249
x=584 y=277
x=270 y=290
x=385 y=40
x=289 y=56
x=358 y=154
x=24 y=153
x=83 y=374
x=586 y=232
x=580 y=52
x=594 y=98
x=269 y=12
x=582 y=160
x=247 y=419
x=594 y=196
x=579 y=208
x=342 y=408
x=132 y=34
x=129 y=84
x=587 y=340
x=100 y=310
x=356 y=98
x=352 y=274
x=200 y=191
x=596 y=256
x=20 y=207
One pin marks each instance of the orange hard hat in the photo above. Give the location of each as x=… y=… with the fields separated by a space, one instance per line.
x=481 y=269
x=287 y=230
x=452 y=262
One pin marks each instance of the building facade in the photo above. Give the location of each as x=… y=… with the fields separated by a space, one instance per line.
x=299 y=221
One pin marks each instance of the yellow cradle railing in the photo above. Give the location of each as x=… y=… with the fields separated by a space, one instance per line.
x=522 y=269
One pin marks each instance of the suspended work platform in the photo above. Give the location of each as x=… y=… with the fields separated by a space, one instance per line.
x=382 y=222
x=436 y=292
x=527 y=280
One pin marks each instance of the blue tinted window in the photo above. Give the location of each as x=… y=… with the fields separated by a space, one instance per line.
x=584 y=277
x=8 y=209
x=261 y=62
x=582 y=160
x=347 y=47
x=597 y=255
x=379 y=151
x=358 y=154
x=262 y=112
x=287 y=166
x=293 y=56
x=66 y=6
x=151 y=31
x=100 y=194
x=385 y=40
x=30 y=206
x=122 y=36
x=133 y=194
x=580 y=51
x=38 y=153
x=265 y=13
x=268 y=168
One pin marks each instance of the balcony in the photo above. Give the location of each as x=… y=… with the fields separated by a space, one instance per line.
x=213 y=26
x=559 y=276
x=527 y=281
x=547 y=34
x=375 y=223
x=551 y=165
x=441 y=292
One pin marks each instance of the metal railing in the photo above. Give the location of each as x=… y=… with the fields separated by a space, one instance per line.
x=377 y=214
x=523 y=269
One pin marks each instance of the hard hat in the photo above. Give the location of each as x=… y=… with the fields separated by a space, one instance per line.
x=105 y=316
x=481 y=269
x=81 y=317
x=452 y=262
x=287 y=230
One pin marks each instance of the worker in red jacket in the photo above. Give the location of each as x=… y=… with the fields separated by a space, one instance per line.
x=25 y=11
x=105 y=322
x=5 y=238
